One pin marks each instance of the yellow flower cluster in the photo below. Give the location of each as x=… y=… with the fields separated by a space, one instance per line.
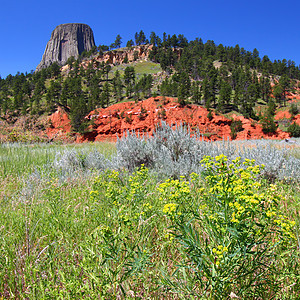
x=248 y=206
x=221 y=158
x=194 y=177
x=147 y=206
x=94 y=194
x=219 y=253
x=174 y=190
x=285 y=226
x=237 y=184
x=169 y=236
x=136 y=183
x=270 y=213
x=235 y=218
x=170 y=209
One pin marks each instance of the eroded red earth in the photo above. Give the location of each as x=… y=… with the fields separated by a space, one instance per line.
x=143 y=116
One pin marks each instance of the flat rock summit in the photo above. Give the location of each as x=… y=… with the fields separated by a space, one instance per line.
x=67 y=40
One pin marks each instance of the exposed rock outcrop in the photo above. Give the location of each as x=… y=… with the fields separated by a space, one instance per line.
x=67 y=40
x=143 y=116
x=118 y=56
x=121 y=56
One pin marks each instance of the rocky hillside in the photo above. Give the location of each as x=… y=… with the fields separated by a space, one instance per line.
x=193 y=82
x=117 y=57
x=118 y=119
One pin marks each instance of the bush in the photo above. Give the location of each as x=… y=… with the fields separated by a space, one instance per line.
x=143 y=114
x=128 y=118
x=268 y=124
x=177 y=152
x=209 y=115
x=294 y=109
x=235 y=127
x=235 y=240
x=294 y=130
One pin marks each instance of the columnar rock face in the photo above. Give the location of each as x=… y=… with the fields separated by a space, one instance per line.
x=67 y=40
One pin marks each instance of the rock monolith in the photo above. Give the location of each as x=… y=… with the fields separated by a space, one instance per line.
x=67 y=40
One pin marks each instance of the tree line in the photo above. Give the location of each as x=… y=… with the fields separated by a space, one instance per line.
x=79 y=92
x=219 y=77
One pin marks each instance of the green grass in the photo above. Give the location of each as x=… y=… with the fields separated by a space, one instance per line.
x=147 y=67
x=141 y=67
x=119 y=236
x=19 y=159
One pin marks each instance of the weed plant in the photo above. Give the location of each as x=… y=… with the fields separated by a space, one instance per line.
x=148 y=220
x=234 y=241
x=117 y=235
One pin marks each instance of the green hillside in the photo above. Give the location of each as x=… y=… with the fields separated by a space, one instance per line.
x=218 y=77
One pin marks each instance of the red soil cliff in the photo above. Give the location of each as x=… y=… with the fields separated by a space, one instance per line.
x=145 y=115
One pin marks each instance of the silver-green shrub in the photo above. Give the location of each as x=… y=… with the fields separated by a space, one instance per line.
x=177 y=152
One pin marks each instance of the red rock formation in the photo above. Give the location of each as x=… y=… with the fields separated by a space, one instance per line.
x=295 y=96
x=297 y=119
x=145 y=115
x=286 y=115
x=282 y=115
x=60 y=124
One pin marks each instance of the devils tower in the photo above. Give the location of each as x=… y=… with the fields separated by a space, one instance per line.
x=67 y=40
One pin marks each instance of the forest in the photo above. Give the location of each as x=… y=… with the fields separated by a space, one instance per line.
x=218 y=77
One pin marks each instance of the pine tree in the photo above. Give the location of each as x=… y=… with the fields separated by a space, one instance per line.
x=137 y=39
x=164 y=87
x=129 y=80
x=106 y=69
x=117 y=86
x=182 y=41
x=206 y=93
x=278 y=93
x=196 y=92
x=118 y=41
x=174 y=41
x=78 y=105
x=77 y=114
x=53 y=94
x=153 y=39
x=213 y=85
x=94 y=93
x=267 y=120
x=184 y=87
x=284 y=82
x=265 y=87
x=54 y=70
x=140 y=38
x=105 y=95
x=129 y=44
x=224 y=96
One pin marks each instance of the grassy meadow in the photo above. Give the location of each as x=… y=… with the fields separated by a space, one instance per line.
x=113 y=234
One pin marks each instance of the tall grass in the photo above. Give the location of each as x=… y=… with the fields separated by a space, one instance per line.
x=20 y=159
x=117 y=235
x=89 y=221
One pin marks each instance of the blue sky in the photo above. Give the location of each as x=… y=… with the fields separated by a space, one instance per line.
x=270 y=26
